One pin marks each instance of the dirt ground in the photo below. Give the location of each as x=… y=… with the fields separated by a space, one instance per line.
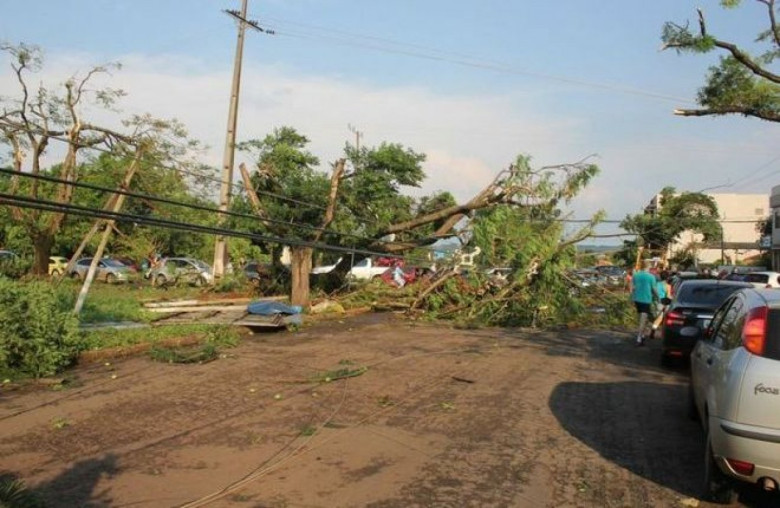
x=433 y=417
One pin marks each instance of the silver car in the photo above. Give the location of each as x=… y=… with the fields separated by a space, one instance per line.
x=181 y=270
x=735 y=392
x=108 y=270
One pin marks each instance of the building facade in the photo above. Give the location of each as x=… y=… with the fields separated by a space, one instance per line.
x=739 y=241
x=774 y=202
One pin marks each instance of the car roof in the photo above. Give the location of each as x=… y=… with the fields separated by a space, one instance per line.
x=715 y=282
x=772 y=296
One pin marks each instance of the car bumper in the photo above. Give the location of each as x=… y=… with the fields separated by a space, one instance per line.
x=675 y=344
x=757 y=445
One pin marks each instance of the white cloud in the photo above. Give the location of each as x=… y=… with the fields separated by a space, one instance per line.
x=468 y=139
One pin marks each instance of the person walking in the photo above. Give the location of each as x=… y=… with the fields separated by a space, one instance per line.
x=663 y=293
x=643 y=294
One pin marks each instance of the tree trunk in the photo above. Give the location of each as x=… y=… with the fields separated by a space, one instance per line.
x=301 y=268
x=42 y=244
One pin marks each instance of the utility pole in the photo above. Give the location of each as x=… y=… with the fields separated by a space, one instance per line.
x=220 y=249
x=358 y=135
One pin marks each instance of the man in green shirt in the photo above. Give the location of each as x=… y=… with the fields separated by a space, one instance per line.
x=643 y=293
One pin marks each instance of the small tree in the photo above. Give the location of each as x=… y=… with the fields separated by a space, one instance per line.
x=29 y=123
x=677 y=212
x=741 y=83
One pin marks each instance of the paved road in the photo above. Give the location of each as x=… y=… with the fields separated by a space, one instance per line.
x=432 y=416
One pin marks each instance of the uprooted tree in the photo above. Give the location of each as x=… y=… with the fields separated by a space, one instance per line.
x=741 y=83
x=39 y=117
x=361 y=206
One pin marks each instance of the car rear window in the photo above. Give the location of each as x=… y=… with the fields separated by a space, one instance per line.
x=711 y=295
x=772 y=347
x=759 y=278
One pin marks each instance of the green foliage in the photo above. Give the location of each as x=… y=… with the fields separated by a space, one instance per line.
x=676 y=213
x=14 y=494
x=528 y=238
x=38 y=330
x=732 y=85
x=216 y=338
x=626 y=256
x=741 y=83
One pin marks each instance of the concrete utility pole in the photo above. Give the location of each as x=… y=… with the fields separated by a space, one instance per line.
x=358 y=134
x=220 y=249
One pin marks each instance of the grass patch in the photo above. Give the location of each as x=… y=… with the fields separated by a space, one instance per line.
x=214 y=339
x=107 y=338
x=14 y=494
x=308 y=430
x=336 y=374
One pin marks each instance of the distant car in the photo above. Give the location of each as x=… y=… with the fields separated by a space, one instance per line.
x=257 y=272
x=735 y=393
x=57 y=265
x=318 y=270
x=366 y=269
x=690 y=312
x=181 y=270
x=108 y=270
x=763 y=279
x=7 y=254
x=130 y=264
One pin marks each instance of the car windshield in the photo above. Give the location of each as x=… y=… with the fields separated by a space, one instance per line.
x=113 y=263
x=710 y=295
x=200 y=264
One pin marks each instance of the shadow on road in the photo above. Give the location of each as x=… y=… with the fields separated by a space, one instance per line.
x=643 y=428
x=73 y=487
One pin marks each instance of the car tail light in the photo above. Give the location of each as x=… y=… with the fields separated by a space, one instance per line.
x=674 y=318
x=754 y=331
x=741 y=467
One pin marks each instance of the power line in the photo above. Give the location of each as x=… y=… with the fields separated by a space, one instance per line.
x=200 y=176
x=427 y=53
x=52 y=206
x=194 y=206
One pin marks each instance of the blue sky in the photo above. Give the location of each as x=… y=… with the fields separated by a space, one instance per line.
x=556 y=80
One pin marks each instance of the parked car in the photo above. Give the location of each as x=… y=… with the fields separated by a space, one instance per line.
x=691 y=310
x=763 y=279
x=368 y=268
x=6 y=255
x=108 y=270
x=181 y=270
x=318 y=270
x=57 y=265
x=735 y=392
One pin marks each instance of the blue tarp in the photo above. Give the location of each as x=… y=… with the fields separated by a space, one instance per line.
x=267 y=308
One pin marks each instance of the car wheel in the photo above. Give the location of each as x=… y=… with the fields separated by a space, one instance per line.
x=199 y=281
x=160 y=280
x=56 y=273
x=110 y=278
x=693 y=413
x=75 y=276
x=718 y=488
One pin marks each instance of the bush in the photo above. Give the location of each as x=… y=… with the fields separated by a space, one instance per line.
x=38 y=331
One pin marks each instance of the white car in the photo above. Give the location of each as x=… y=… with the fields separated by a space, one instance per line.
x=763 y=279
x=366 y=269
x=735 y=393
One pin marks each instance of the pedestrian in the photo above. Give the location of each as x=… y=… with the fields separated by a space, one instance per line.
x=663 y=292
x=643 y=294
